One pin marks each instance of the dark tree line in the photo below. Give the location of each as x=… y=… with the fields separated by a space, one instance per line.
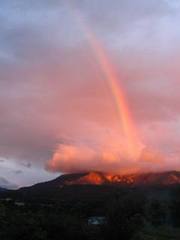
x=130 y=216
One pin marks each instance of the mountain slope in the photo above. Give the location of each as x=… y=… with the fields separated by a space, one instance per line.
x=99 y=178
x=97 y=186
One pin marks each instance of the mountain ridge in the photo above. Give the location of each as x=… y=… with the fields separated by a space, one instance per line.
x=96 y=186
x=101 y=178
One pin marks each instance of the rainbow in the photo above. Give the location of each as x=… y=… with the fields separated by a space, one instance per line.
x=133 y=143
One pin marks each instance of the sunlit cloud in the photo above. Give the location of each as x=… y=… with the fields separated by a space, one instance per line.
x=56 y=107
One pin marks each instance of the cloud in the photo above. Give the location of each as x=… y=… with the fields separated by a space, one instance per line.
x=53 y=95
x=6 y=184
x=105 y=157
x=28 y=165
x=18 y=171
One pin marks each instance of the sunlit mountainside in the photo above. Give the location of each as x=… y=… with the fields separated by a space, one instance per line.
x=99 y=178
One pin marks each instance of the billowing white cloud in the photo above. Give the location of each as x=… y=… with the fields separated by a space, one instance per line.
x=52 y=91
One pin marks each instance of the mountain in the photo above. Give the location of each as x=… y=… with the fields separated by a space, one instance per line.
x=97 y=186
x=99 y=178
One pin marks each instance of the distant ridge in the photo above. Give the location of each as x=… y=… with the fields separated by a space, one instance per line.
x=100 y=178
x=95 y=186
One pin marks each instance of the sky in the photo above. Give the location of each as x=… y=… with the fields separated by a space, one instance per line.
x=59 y=112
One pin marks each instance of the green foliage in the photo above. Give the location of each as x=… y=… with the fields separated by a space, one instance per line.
x=156 y=212
x=124 y=217
x=129 y=215
x=158 y=233
x=175 y=207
